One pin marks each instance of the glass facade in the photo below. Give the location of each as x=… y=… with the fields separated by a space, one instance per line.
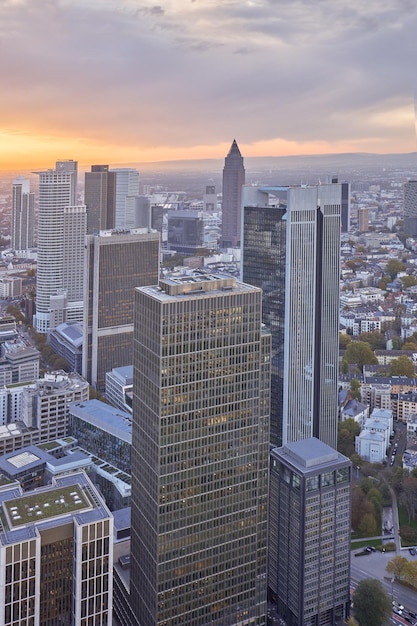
x=309 y=536
x=293 y=252
x=200 y=456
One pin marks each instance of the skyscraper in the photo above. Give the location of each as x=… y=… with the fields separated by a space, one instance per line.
x=116 y=263
x=57 y=268
x=127 y=190
x=410 y=208
x=23 y=214
x=200 y=450
x=100 y=199
x=291 y=250
x=309 y=533
x=233 y=179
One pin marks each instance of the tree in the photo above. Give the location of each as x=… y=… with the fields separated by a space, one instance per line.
x=409 y=495
x=409 y=345
x=368 y=526
x=410 y=573
x=361 y=353
x=403 y=366
x=371 y=603
x=346 y=433
x=344 y=339
x=408 y=281
x=396 y=343
x=394 y=267
x=397 y=566
x=355 y=390
x=375 y=339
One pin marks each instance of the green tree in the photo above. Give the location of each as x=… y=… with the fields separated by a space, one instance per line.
x=409 y=345
x=371 y=603
x=397 y=566
x=361 y=353
x=355 y=389
x=346 y=433
x=403 y=366
x=344 y=339
x=368 y=526
x=396 y=343
x=409 y=281
x=394 y=267
x=375 y=339
x=409 y=495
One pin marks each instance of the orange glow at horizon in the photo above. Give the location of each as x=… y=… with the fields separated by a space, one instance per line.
x=26 y=151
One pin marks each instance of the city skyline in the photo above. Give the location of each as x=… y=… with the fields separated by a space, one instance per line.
x=180 y=80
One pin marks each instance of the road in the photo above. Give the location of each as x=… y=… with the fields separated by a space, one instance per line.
x=373 y=566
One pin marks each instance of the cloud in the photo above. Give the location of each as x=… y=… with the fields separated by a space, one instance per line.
x=200 y=73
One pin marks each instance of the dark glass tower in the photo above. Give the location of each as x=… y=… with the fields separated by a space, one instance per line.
x=291 y=250
x=100 y=198
x=200 y=454
x=233 y=180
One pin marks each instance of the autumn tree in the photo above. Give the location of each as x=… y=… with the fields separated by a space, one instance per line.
x=371 y=603
x=344 y=339
x=360 y=353
x=403 y=366
x=394 y=266
x=397 y=566
x=408 y=281
x=376 y=339
x=409 y=496
x=410 y=573
x=355 y=389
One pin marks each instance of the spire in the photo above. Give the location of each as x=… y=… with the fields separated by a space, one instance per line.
x=234 y=149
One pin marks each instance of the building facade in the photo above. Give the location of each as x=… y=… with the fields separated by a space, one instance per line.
x=116 y=263
x=100 y=199
x=309 y=533
x=127 y=189
x=233 y=180
x=56 y=555
x=23 y=214
x=291 y=246
x=200 y=448
x=410 y=208
x=59 y=260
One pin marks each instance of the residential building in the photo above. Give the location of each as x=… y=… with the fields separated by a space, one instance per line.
x=200 y=451
x=116 y=263
x=56 y=555
x=371 y=445
x=100 y=199
x=233 y=180
x=61 y=231
x=23 y=214
x=309 y=533
x=291 y=249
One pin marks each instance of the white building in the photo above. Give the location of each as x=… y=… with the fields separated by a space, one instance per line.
x=370 y=446
x=61 y=230
x=127 y=188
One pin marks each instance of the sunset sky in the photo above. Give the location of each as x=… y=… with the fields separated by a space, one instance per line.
x=122 y=81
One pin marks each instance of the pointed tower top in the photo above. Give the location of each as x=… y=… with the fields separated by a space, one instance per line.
x=234 y=149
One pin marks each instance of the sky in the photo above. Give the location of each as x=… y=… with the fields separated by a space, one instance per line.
x=123 y=81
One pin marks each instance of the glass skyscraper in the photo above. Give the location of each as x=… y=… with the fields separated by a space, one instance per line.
x=200 y=453
x=291 y=248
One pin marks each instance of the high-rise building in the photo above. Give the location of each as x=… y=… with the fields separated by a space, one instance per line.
x=363 y=219
x=309 y=533
x=100 y=198
x=200 y=453
x=23 y=214
x=410 y=208
x=127 y=190
x=116 y=263
x=61 y=231
x=233 y=180
x=291 y=250
x=56 y=553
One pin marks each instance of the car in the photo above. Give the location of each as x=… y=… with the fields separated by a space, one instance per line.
x=412 y=614
x=397 y=611
x=397 y=605
x=412 y=551
x=370 y=549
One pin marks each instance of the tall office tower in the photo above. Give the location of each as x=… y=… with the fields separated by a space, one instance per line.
x=344 y=205
x=57 y=191
x=23 y=214
x=200 y=451
x=233 y=180
x=100 y=198
x=56 y=553
x=291 y=250
x=309 y=533
x=127 y=189
x=116 y=263
x=410 y=208
x=363 y=220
